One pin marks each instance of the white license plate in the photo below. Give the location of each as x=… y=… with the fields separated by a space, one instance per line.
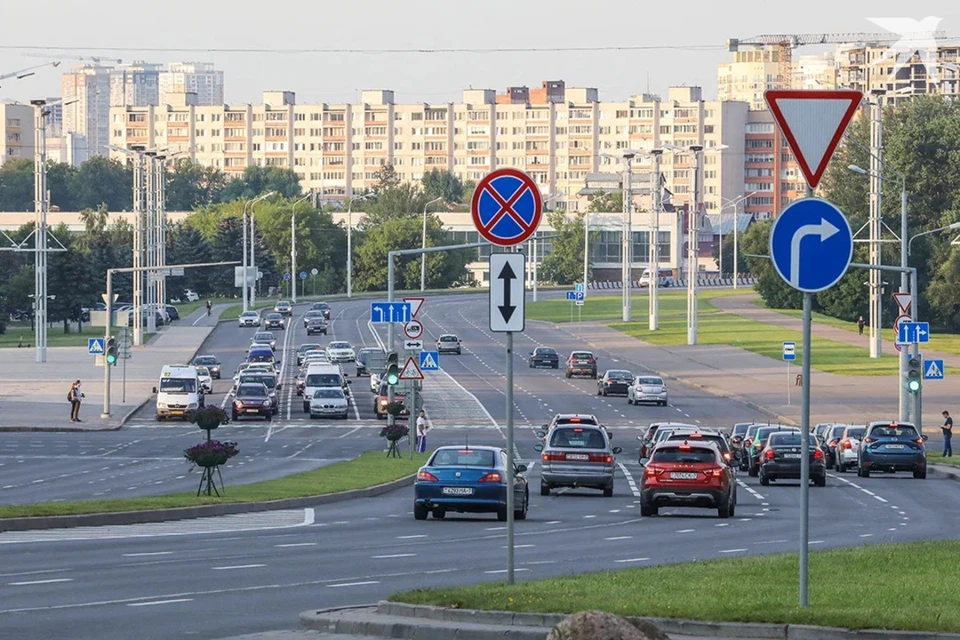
x=252 y=410
x=677 y=475
x=577 y=456
x=895 y=446
x=458 y=491
x=791 y=455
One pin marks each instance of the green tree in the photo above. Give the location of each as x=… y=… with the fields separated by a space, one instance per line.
x=944 y=292
x=742 y=266
x=257 y=180
x=69 y=281
x=186 y=245
x=564 y=264
x=386 y=177
x=16 y=185
x=605 y=202
x=402 y=201
x=442 y=184
x=60 y=176
x=191 y=185
x=100 y=181
x=776 y=293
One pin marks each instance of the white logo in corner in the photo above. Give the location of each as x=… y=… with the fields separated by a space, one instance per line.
x=917 y=37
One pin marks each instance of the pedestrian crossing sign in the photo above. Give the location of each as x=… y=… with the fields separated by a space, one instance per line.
x=95 y=346
x=429 y=361
x=933 y=369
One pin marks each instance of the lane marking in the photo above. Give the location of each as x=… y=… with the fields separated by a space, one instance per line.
x=31 y=582
x=686 y=530
x=630 y=481
x=352 y=584
x=619 y=538
x=156 y=602
x=504 y=571
x=143 y=555
x=238 y=566
x=866 y=535
x=296 y=544
x=394 y=555
x=733 y=550
x=632 y=560
x=352 y=431
x=520 y=546
x=419 y=535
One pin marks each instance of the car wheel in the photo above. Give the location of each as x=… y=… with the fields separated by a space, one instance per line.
x=764 y=480
x=820 y=481
x=608 y=491
x=306 y=407
x=544 y=489
x=268 y=417
x=419 y=512
x=159 y=418
x=724 y=510
x=233 y=416
x=556 y=366
x=594 y=375
x=439 y=514
x=600 y=392
x=458 y=352
x=863 y=472
x=920 y=475
x=502 y=514
x=753 y=471
x=521 y=514
x=567 y=374
x=733 y=510
x=647 y=510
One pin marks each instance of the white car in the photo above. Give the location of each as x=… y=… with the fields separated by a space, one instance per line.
x=191 y=296
x=647 y=389
x=249 y=319
x=341 y=352
x=206 y=380
x=374 y=382
x=328 y=402
x=848 y=448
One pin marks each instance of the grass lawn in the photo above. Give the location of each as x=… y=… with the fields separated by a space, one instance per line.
x=750 y=589
x=934 y=456
x=367 y=470
x=186 y=308
x=55 y=336
x=609 y=307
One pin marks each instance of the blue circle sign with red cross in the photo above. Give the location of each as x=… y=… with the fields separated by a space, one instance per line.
x=506 y=207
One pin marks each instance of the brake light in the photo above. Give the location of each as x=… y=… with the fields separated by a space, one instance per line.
x=768 y=454
x=727 y=456
x=869 y=440
x=846 y=444
x=465 y=451
x=817 y=454
x=553 y=456
x=650 y=472
x=608 y=382
x=919 y=440
x=578 y=430
x=695 y=435
x=426 y=476
x=574 y=420
x=491 y=477
x=591 y=360
x=601 y=457
x=713 y=473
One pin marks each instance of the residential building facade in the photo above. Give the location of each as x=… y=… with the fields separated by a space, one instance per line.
x=16 y=131
x=89 y=89
x=191 y=77
x=874 y=67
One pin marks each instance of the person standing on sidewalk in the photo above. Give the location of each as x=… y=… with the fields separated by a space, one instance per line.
x=421 y=432
x=860 y=324
x=75 y=396
x=947 y=430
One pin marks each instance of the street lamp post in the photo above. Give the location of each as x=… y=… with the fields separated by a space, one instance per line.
x=293 y=248
x=423 y=245
x=350 y=241
x=693 y=246
x=251 y=265
x=41 y=206
x=653 y=268
x=627 y=233
x=734 y=202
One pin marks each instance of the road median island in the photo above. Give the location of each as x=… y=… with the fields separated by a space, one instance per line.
x=369 y=474
x=758 y=589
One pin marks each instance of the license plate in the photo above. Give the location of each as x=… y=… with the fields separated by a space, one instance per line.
x=176 y=413
x=252 y=410
x=791 y=455
x=678 y=475
x=577 y=456
x=895 y=446
x=458 y=491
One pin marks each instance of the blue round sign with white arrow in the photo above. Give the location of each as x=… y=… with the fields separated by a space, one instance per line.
x=811 y=245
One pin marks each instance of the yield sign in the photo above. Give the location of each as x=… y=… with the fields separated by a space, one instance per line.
x=411 y=370
x=903 y=301
x=415 y=305
x=813 y=122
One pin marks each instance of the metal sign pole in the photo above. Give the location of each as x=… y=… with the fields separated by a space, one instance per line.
x=788 y=383
x=805 y=450
x=123 y=399
x=106 y=338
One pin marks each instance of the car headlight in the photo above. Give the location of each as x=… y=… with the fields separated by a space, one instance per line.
x=193 y=405
x=238 y=404
x=267 y=403
x=383 y=403
x=161 y=405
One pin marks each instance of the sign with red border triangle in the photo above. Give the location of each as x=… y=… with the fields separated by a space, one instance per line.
x=415 y=305
x=813 y=122
x=411 y=370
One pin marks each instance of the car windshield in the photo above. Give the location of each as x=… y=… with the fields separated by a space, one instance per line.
x=249 y=314
x=789 y=440
x=462 y=458
x=581 y=355
x=546 y=351
x=764 y=432
x=740 y=429
x=856 y=433
x=650 y=381
x=689 y=455
x=320 y=305
x=203 y=371
x=308 y=347
x=313 y=313
x=317 y=321
x=252 y=391
x=178 y=385
x=894 y=431
x=834 y=432
x=205 y=360
x=274 y=316
x=323 y=380
x=260 y=357
x=448 y=338
x=269 y=381
x=701 y=437
x=619 y=375
x=577 y=438
x=328 y=393
x=263 y=335
x=339 y=345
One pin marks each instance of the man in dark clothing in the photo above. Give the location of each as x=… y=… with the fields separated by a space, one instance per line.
x=76 y=395
x=947 y=430
x=860 y=324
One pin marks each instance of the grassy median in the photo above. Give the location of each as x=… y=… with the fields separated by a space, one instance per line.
x=367 y=470
x=899 y=586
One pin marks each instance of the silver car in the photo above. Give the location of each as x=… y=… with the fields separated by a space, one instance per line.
x=328 y=402
x=577 y=456
x=249 y=319
x=265 y=337
x=647 y=389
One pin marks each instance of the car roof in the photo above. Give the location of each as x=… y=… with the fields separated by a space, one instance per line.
x=469 y=447
x=581 y=351
x=448 y=335
x=323 y=366
x=609 y=371
x=575 y=418
x=310 y=345
x=891 y=423
x=695 y=444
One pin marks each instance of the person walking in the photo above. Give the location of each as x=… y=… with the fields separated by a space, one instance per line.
x=947 y=430
x=421 y=432
x=75 y=396
x=860 y=324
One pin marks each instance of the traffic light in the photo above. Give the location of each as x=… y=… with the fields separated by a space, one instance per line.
x=914 y=374
x=393 y=368
x=111 y=350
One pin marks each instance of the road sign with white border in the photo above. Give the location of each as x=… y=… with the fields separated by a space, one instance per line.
x=933 y=370
x=413 y=329
x=813 y=122
x=896 y=328
x=413 y=345
x=506 y=207
x=789 y=351
x=303 y=275
x=415 y=305
x=579 y=287
x=571 y=295
x=811 y=245
x=95 y=346
x=913 y=332
x=389 y=312
x=286 y=276
x=429 y=361
x=411 y=371
x=904 y=301
x=507 y=309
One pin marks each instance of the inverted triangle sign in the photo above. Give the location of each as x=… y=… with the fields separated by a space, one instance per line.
x=415 y=304
x=903 y=301
x=411 y=371
x=813 y=122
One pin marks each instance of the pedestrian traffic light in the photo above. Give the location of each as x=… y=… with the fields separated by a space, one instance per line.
x=914 y=374
x=111 y=351
x=393 y=368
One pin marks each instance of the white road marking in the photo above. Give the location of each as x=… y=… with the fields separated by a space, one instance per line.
x=722 y=524
x=686 y=530
x=353 y=584
x=239 y=566
x=520 y=546
x=619 y=538
x=352 y=431
x=419 y=535
x=750 y=490
x=504 y=571
x=815 y=542
x=630 y=481
x=295 y=544
x=866 y=535
x=31 y=582
x=554 y=522
x=589 y=517
x=155 y=602
x=733 y=550
x=632 y=560
x=394 y=555
x=143 y=555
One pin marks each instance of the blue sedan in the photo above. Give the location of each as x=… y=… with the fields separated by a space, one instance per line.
x=468 y=480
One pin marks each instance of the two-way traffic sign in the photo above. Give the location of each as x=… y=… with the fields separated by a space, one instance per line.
x=811 y=245
x=95 y=346
x=914 y=332
x=389 y=312
x=506 y=292
x=413 y=345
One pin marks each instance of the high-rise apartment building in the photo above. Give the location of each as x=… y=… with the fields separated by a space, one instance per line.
x=556 y=134
x=875 y=67
x=16 y=131
x=88 y=88
x=136 y=84
x=191 y=77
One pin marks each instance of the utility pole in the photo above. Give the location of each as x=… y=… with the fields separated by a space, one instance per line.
x=160 y=212
x=293 y=248
x=654 y=266
x=150 y=228
x=137 y=274
x=41 y=206
x=627 y=234
x=876 y=188
x=693 y=246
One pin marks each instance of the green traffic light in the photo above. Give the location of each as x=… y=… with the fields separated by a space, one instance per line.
x=913 y=385
x=111 y=358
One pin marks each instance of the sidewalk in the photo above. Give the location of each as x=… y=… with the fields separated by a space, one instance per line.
x=33 y=394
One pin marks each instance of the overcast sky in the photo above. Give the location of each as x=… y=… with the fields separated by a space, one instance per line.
x=151 y=31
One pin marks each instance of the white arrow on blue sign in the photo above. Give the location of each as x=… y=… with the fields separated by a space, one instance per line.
x=913 y=332
x=95 y=346
x=811 y=245
x=303 y=275
x=933 y=369
x=389 y=312
x=286 y=276
x=579 y=287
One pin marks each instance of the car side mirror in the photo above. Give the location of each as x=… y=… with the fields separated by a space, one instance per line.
x=154 y=389
x=521 y=468
x=541 y=434
x=924 y=438
x=349 y=381
x=279 y=386
x=617 y=450
x=538 y=447
x=640 y=438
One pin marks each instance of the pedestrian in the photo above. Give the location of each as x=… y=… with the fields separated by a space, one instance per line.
x=860 y=324
x=421 y=432
x=75 y=396
x=947 y=430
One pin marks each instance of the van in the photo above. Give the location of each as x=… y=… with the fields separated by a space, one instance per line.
x=178 y=392
x=666 y=278
x=319 y=375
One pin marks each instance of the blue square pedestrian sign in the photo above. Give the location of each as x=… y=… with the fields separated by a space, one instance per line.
x=429 y=361
x=95 y=346
x=933 y=369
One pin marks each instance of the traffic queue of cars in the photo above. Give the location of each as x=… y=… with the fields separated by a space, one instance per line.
x=638 y=390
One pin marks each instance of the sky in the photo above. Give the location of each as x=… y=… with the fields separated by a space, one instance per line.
x=696 y=30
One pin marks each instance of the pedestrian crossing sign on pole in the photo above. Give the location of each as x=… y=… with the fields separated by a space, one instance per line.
x=95 y=346
x=933 y=369
x=429 y=361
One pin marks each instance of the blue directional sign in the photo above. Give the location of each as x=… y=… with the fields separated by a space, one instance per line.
x=286 y=276
x=579 y=287
x=389 y=312
x=789 y=351
x=95 y=346
x=303 y=275
x=571 y=295
x=429 y=361
x=913 y=332
x=811 y=245
x=933 y=369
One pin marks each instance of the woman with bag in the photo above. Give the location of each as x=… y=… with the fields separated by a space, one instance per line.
x=75 y=397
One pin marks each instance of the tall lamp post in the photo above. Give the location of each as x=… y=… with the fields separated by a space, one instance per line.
x=653 y=268
x=293 y=248
x=423 y=245
x=248 y=263
x=365 y=196
x=735 y=203
x=41 y=206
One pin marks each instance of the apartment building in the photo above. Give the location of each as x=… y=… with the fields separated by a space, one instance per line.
x=135 y=84
x=556 y=134
x=16 y=131
x=873 y=67
x=190 y=77
x=88 y=90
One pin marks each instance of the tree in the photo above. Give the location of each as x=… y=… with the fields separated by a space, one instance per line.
x=386 y=177
x=442 y=184
x=16 y=185
x=564 y=264
x=69 y=282
x=186 y=245
x=191 y=185
x=257 y=180
x=944 y=292
x=776 y=293
x=225 y=246
x=100 y=181
x=60 y=176
x=402 y=201
x=605 y=202
x=742 y=267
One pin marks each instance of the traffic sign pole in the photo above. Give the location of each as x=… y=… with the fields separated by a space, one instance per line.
x=510 y=460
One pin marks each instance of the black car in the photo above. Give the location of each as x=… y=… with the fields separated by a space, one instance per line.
x=304 y=348
x=172 y=311
x=736 y=438
x=252 y=400
x=316 y=325
x=312 y=314
x=581 y=363
x=760 y=441
x=321 y=306
x=615 y=382
x=361 y=361
x=273 y=321
x=212 y=363
x=780 y=458
x=890 y=447
x=544 y=357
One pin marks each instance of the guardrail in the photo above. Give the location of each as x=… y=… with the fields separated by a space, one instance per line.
x=743 y=281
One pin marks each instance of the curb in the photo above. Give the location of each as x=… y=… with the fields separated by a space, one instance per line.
x=36 y=429
x=201 y=511
x=944 y=471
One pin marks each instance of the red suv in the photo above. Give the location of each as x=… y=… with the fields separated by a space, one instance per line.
x=688 y=474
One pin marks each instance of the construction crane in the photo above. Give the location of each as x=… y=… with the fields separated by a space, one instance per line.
x=26 y=73
x=86 y=59
x=786 y=43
